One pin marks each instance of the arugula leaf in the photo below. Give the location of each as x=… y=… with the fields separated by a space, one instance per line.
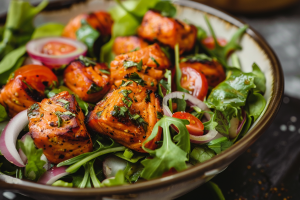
x=220 y=144
x=3 y=114
x=231 y=94
x=169 y=154
x=201 y=154
x=93 y=175
x=47 y=30
x=166 y=8
x=119 y=179
x=222 y=52
x=34 y=167
x=136 y=78
x=133 y=172
x=83 y=105
x=255 y=105
x=235 y=61
x=88 y=35
x=135 y=158
x=61 y=183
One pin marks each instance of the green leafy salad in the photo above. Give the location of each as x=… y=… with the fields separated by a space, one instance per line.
x=121 y=96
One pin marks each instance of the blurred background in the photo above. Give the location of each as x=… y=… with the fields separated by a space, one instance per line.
x=270 y=169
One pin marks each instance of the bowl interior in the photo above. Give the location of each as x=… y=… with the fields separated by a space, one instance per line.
x=254 y=50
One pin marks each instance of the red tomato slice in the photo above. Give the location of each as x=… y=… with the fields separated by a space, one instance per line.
x=37 y=76
x=210 y=43
x=194 y=81
x=195 y=127
x=57 y=48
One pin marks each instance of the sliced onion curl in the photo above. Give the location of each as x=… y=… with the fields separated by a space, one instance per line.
x=34 y=49
x=49 y=177
x=112 y=164
x=236 y=125
x=193 y=101
x=9 y=137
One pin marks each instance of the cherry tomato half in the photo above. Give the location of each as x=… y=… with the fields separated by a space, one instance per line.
x=57 y=48
x=37 y=76
x=195 y=127
x=210 y=43
x=194 y=81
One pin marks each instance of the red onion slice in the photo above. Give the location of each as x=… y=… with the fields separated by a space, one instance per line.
x=34 y=49
x=204 y=138
x=9 y=137
x=53 y=175
x=191 y=99
x=236 y=126
x=112 y=164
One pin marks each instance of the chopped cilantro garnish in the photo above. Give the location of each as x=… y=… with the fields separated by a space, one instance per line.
x=125 y=92
x=152 y=84
x=65 y=102
x=87 y=61
x=94 y=88
x=147 y=99
x=139 y=121
x=127 y=102
x=159 y=115
x=59 y=120
x=138 y=48
x=119 y=111
x=127 y=64
x=136 y=78
x=157 y=64
x=99 y=113
x=104 y=71
x=125 y=83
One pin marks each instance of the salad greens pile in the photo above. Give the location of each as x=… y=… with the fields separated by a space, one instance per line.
x=239 y=96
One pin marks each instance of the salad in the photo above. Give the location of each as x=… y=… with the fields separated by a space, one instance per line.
x=119 y=97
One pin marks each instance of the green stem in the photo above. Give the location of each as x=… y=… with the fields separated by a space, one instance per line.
x=93 y=176
x=75 y=166
x=86 y=176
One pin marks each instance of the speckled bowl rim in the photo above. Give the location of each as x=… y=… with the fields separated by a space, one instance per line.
x=218 y=162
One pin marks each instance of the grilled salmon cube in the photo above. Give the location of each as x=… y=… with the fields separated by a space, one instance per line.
x=213 y=71
x=149 y=63
x=57 y=126
x=89 y=81
x=168 y=31
x=127 y=44
x=128 y=116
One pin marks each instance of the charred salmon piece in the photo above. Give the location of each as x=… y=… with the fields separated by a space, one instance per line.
x=57 y=126
x=101 y=21
x=26 y=87
x=127 y=44
x=128 y=116
x=168 y=31
x=90 y=82
x=212 y=70
x=153 y=62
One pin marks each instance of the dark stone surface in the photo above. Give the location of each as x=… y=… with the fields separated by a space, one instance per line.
x=270 y=168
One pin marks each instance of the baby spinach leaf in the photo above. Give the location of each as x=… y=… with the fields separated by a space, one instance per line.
x=260 y=79
x=201 y=154
x=34 y=167
x=231 y=94
x=166 y=8
x=222 y=52
x=220 y=144
x=172 y=153
x=3 y=114
x=11 y=59
x=48 y=30
x=88 y=35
